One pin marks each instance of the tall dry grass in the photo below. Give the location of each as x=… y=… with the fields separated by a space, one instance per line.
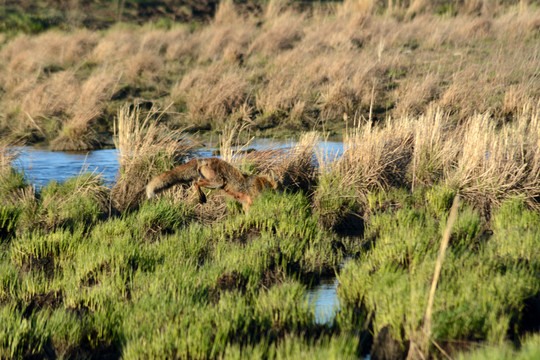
x=146 y=148
x=8 y=153
x=486 y=162
x=78 y=131
x=211 y=95
x=284 y=68
x=293 y=168
x=377 y=157
x=499 y=162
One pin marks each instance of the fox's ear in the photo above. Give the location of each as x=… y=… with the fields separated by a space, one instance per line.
x=273 y=184
x=273 y=178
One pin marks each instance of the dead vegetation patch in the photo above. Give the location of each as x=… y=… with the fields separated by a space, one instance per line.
x=50 y=300
x=231 y=281
x=281 y=67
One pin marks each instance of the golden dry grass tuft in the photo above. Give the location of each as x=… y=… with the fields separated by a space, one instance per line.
x=487 y=162
x=281 y=33
x=496 y=163
x=211 y=95
x=377 y=157
x=146 y=148
x=78 y=132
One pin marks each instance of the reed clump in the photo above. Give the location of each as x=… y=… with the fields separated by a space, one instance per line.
x=486 y=162
x=146 y=149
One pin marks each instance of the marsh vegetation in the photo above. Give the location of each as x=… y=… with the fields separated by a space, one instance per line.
x=90 y=271
x=440 y=102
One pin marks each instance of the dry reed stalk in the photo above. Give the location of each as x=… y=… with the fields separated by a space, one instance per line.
x=420 y=348
x=494 y=163
x=8 y=153
x=435 y=147
x=229 y=148
x=377 y=157
x=145 y=149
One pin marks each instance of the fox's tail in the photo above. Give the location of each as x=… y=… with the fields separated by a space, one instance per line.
x=158 y=184
x=179 y=175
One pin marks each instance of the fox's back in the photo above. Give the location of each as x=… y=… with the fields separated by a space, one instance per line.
x=186 y=172
x=223 y=169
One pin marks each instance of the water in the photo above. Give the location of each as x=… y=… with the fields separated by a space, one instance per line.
x=41 y=165
x=329 y=149
x=324 y=299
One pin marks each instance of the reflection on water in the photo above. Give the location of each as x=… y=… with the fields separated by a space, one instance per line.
x=323 y=298
x=41 y=165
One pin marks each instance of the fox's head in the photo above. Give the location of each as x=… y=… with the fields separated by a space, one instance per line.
x=267 y=183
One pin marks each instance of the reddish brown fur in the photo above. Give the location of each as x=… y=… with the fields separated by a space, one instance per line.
x=212 y=173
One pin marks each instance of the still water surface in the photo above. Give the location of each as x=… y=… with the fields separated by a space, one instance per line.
x=41 y=165
x=324 y=300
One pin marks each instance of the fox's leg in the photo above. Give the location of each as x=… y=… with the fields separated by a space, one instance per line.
x=202 y=197
x=244 y=199
x=210 y=184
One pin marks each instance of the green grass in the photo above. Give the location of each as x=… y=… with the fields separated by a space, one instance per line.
x=529 y=350
x=484 y=285
x=157 y=282
x=11 y=180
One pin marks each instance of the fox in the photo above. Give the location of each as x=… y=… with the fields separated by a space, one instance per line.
x=212 y=173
